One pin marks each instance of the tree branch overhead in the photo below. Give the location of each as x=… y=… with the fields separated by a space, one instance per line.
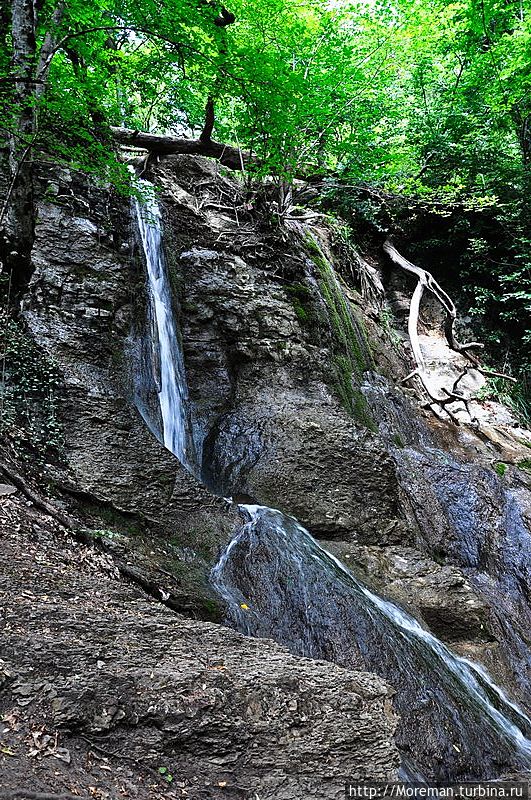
x=229 y=156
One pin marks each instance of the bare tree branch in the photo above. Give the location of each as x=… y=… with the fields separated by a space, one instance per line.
x=426 y=281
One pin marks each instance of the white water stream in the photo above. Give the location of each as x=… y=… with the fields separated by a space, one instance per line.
x=173 y=394
x=473 y=678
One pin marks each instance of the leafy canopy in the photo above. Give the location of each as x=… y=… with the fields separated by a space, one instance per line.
x=416 y=95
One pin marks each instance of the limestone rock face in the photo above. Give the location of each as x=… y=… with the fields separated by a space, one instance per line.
x=269 y=427
x=104 y=691
x=413 y=505
x=417 y=508
x=469 y=574
x=86 y=292
x=479 y=523
x=258 y=345
x=309 y=460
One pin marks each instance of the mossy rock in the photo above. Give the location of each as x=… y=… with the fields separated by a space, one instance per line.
x=352 y=355
x=301 y=298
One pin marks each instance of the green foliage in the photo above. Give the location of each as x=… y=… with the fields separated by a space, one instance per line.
x=477 y=249
x=495 y=270
x=29 y=386
x=500 y=468
x=168 y=777
x=422 y=97
x=512 y=395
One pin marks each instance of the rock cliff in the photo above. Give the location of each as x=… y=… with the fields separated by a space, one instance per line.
x=294 y=381
x=106 y=694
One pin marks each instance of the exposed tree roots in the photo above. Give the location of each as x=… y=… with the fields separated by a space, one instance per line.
x=426 y=281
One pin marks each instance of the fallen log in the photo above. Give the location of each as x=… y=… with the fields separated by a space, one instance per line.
x=229 y=156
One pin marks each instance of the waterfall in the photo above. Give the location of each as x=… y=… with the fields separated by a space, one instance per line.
x=278 y=582
x=172 y=393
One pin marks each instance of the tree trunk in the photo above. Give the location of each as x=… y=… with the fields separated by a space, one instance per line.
x=17 y=214
x=426 y=281
x=18 y=208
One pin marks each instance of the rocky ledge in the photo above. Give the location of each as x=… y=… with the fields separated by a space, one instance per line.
x=106 y=693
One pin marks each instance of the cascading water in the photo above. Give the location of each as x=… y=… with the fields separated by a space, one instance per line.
x=278 y=582
x=173 y=393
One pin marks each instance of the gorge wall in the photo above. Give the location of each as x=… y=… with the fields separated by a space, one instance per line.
x=287 y=412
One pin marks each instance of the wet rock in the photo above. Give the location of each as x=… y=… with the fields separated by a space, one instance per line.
x=120 y=689
x=81 y=307
x=439 y=595
x=468 y=517
x=472 y=520
x=278 y=582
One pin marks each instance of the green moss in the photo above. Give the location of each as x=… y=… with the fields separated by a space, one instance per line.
x=313 y=248
x=204 y=539
x=192 y=579
x=398 y=441
x=300 y=295
x=189 y=307
x=212 y=609
x=500 y=468
x=299 y=290
x=352 y=353
x=302 y=314
x=525 y=463
x=350 y=395
x=348 y=329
